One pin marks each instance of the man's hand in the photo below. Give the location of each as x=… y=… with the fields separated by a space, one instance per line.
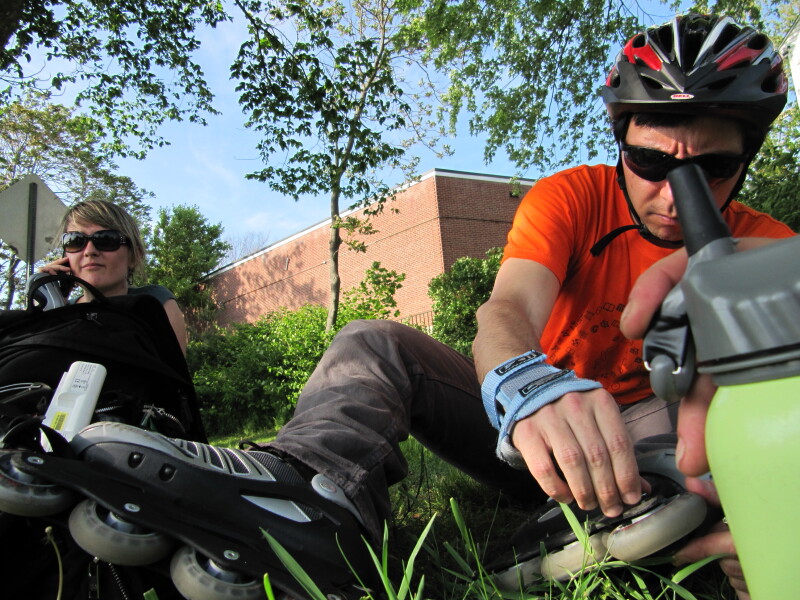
x=718 y=541
x=585 y=434
x=644 y=300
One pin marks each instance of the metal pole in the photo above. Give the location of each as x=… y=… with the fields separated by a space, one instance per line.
x=32 y=197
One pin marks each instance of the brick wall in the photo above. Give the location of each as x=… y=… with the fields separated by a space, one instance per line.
x=429 y=225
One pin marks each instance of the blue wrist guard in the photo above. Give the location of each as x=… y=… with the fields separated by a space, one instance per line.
x=518 y=388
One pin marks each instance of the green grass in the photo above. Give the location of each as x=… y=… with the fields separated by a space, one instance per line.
x=446 y=528
x=233 y=441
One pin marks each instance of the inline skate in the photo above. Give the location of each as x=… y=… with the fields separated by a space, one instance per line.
x=137 y=498
x=546 y=547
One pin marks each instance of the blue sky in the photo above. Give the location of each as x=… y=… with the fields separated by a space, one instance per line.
x=206 y=166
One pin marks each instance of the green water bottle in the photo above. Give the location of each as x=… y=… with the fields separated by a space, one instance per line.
x=744 y=330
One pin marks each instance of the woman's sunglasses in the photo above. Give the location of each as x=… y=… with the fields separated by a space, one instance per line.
x=653 y=165
x=106 y=240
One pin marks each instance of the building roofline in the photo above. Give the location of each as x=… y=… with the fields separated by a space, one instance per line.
x=474 y=176
x=426 y=175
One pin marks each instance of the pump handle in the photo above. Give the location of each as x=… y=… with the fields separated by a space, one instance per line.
x=698 y=213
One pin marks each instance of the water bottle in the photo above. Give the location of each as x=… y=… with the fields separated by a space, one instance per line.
x=744 y=321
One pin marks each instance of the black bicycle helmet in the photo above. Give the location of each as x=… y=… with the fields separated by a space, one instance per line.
x=697 y=63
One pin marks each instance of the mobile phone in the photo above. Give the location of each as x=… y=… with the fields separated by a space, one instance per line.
x=66 y=289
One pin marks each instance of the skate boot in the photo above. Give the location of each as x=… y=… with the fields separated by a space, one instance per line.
x=145 y=494
x=546 y=547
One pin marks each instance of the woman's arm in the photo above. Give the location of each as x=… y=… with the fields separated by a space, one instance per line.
x=177 y=321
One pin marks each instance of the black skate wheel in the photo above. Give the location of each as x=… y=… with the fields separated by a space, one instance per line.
x=108 y=537
x=575 y=558
x=659 y=528
x=206 y=580
x=28 y=495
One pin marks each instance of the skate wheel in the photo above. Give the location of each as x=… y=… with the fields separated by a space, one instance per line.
x=103 y=534
x=520 y=576
x=658 y=528
x=574 y=558
x=206 y=580
x=28 y=495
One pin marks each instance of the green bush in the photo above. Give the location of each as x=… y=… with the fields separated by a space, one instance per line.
x=457 y=293
x=248 y=377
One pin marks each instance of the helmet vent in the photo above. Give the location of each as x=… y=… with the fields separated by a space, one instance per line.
x=638 y=41
x=758 y=42
x=691 y=47
x=726 y=37
x=664 y=35
x=771 y=84
x=651 y=83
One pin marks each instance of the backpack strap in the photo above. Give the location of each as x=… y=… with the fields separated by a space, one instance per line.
x=56 y=284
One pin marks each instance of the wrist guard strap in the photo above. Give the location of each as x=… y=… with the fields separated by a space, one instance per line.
x=518 y=388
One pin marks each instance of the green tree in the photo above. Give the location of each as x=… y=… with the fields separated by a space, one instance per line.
x=332 y=102
x=183 y=248
x=527 y=73
x=60 y=146
x=773 y=185
x=457 y=293
x=373 y=297
x=131 y=59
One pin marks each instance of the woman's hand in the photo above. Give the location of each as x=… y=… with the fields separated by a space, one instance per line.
x=60 y=265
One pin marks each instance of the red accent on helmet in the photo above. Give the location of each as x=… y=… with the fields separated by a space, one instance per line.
x=737 y=56
x=644 y=53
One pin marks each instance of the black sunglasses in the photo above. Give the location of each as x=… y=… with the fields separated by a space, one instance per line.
x=106 y=240
x=653 y=165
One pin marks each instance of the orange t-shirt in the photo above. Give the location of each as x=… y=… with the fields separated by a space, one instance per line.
x=556 y=224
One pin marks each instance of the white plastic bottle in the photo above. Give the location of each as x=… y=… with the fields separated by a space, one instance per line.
x=75 y=399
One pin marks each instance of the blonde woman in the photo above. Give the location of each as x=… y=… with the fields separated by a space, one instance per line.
x=102 y=245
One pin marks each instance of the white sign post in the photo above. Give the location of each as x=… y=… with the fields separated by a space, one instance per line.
x=30 y=215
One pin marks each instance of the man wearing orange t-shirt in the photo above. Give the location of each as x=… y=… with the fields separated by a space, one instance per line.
x=554 y=364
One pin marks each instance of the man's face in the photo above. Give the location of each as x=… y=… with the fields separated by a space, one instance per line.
x=652 y=200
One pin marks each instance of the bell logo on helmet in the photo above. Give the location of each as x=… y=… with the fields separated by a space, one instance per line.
x=682 y=96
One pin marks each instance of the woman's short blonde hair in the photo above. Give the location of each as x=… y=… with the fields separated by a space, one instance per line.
x=109 y=216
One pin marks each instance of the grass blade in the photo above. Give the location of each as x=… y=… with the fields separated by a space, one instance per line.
x=294 y=568
x=689 y=569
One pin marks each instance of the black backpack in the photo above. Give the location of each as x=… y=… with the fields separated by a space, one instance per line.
x=147 y=384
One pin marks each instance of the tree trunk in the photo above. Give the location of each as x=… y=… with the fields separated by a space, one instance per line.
x=335 y=241
x=11 y=281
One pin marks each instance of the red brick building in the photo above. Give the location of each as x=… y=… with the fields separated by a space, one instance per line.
x=442 y=217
